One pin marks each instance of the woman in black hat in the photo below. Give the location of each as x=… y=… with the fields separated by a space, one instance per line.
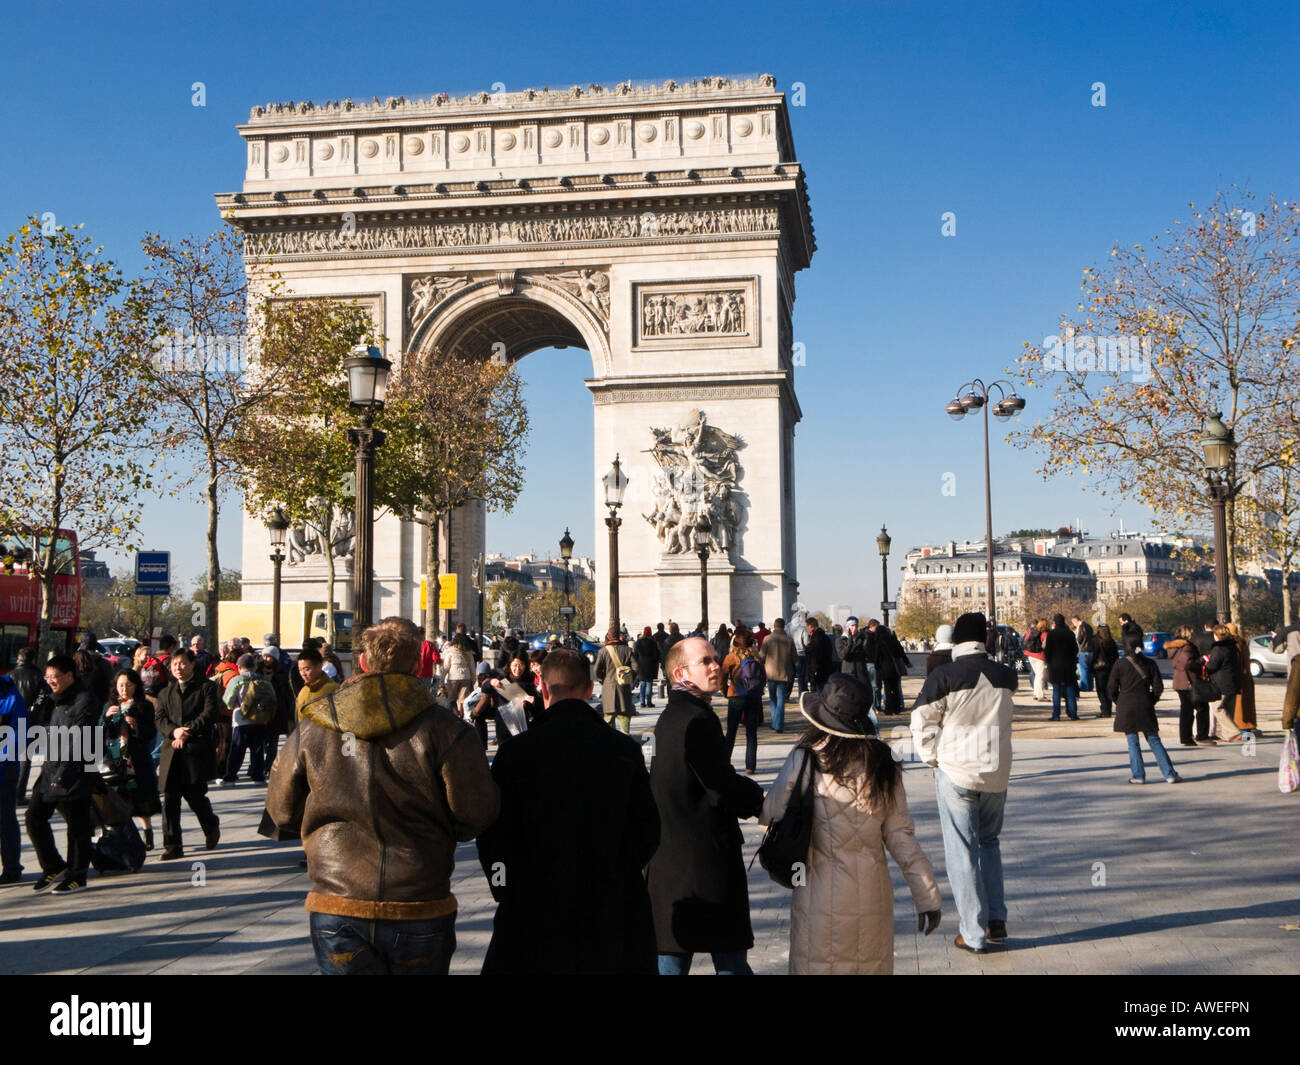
x=842 y=915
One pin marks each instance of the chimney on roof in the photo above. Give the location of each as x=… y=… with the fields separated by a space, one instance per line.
x=952 y=548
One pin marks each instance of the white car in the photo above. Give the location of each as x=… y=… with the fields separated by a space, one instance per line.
x=1263 y=659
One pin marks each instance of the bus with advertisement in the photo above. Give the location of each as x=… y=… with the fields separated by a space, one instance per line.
x=21 y=593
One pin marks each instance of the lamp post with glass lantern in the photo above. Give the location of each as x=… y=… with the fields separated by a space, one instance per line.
x=566 y=553
x=367 y=372
x=882 y=542
x=972 y=396
x=1218 y=444
x=615 y=482
x=277 y=525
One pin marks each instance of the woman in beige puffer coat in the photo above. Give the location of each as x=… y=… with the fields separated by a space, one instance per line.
x=842 y=917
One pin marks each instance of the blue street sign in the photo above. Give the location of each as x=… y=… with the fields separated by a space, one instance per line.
x=153 y=573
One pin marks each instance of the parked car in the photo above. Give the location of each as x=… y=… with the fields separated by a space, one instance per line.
x=589 y=647
x=1263 y=659
x=1153 y=645
x=1012 y=653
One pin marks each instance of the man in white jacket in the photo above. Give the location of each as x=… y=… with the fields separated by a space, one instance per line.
x=961 y=725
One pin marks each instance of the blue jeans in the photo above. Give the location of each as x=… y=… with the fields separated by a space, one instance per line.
x=1085 y=671
x=801 y=672
x=353 y=946
x=971 y=822
x=251 y=738
x=1163 y=763
x=1071 y=701
x=725 y=963
x=647 y=692
x=778 y=691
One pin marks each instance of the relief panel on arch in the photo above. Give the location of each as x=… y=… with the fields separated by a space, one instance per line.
x=717 y=313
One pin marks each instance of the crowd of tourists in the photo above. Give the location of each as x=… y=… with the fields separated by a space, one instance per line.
x=662 y=876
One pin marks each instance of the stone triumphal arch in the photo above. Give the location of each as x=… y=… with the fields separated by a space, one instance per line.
x=657 y=227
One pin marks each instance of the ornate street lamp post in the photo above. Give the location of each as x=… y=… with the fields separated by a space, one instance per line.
x=973 y=396
x=882 y=542
x=703 y=529
x=615 y=485
x=277 y=524
x=566 y=553
x=367 y=372
x=1218 y=444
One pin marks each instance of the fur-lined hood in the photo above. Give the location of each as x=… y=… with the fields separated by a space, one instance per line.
x=371 y=705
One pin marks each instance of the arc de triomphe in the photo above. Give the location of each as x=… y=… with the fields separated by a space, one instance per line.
x=657 y=227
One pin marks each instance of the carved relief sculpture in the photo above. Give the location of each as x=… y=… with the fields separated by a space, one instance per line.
x=696 y=479
x=428 y=292
x=715 y=313
x=305 y=542
x=589 y=285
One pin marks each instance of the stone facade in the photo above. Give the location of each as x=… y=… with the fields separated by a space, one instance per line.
x=657 y=227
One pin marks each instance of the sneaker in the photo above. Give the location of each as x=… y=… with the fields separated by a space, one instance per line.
x=961 y=944
x=1175 y=779
x=997 y=931
x=46 y=882
x=1135 y=780
x=69 y=887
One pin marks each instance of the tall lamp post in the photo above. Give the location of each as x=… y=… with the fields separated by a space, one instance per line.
x=973 y=396
x=277 y=524
x=566 y=553
x=703 y=529
x=883 y=541
x=615 y=485
x=1218 y=444
x=367 y=372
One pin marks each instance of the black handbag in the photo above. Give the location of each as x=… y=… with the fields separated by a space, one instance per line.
x=784 y=850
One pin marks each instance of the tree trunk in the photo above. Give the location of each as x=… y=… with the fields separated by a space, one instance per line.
x=1234 y=586
x=327 y=542
x=447 y=613
x=430 y=522
x=214 y=563
x=1286 y=594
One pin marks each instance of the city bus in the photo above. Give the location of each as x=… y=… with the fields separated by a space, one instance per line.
x=20 y=594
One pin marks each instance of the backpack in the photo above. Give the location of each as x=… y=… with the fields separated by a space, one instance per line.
x=257 y=704
x=1034 y=642
x=118 y=850
x=624 y=674
x=750 y=676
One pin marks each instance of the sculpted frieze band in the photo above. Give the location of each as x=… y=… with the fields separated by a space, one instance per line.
x=512 y=231
x=712 y=313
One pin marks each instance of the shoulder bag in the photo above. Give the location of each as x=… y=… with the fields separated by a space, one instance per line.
x=784 y=850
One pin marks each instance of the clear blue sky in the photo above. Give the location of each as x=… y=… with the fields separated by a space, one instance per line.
x=911 y=110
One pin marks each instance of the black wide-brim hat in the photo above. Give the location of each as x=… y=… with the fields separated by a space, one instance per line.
x=842 y=708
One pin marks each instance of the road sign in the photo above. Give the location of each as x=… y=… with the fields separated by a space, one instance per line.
x=447 y=592
x=889 y=604
x=153 y=573
x=567 y=610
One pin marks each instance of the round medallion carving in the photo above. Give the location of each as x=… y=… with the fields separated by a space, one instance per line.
x=280 y=154
x=460 y=142
x=507 y=141
x=414 y=145
x=744 y=127
x=600 y=135
x=647 y=132
x=553 y=138
x=326 y=151
x=695 y=130
x=369 y=149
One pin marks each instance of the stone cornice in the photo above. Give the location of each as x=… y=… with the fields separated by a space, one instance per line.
x=487 y=105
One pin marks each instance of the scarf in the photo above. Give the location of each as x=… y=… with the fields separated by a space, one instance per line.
x=690 y=689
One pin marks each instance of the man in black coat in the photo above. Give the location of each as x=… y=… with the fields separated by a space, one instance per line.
x=697 y=879
x=64 y=783
x=187 y=716
x=577 y=826
x=818 y=653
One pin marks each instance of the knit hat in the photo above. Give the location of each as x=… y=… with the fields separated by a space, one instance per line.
x=483 y=667
x=943 y=636
x=850 y=620
x=971 y=628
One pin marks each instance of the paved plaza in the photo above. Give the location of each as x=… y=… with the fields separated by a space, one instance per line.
x=1102 y=876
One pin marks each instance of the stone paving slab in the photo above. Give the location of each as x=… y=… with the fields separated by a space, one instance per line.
x=1198 y=878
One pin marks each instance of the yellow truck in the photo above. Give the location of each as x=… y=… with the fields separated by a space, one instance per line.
x=297 y=620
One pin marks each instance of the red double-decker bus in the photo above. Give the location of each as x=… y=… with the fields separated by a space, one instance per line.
x=20 y=594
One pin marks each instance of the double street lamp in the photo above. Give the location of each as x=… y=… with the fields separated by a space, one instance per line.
x=615 y=483
x=973 y=396
x=277 y=525
x=1218 y=445
x=367 y=371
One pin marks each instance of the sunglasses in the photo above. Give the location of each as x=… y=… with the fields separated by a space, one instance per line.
x=707 y=660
